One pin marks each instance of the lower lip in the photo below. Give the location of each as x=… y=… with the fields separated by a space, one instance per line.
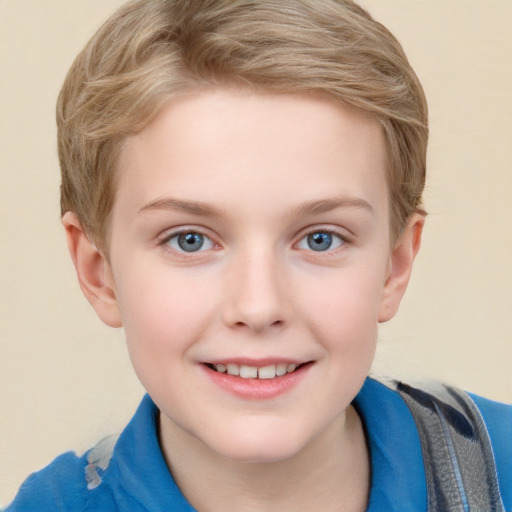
x=257 y=389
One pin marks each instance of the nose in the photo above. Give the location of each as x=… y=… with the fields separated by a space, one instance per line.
x=256 y=297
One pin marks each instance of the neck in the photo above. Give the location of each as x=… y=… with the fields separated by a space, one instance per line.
x=331 y=473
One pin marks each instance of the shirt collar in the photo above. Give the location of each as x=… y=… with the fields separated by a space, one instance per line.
x=398 y=477
x=143 y=471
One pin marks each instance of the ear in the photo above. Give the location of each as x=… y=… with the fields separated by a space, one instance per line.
x=93 y=272
x=402 y=259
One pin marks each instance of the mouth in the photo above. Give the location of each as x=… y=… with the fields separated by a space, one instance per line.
x=257 y=380
x=267 y=372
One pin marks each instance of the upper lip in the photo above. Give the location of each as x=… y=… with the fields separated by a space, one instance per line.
x=258 y=363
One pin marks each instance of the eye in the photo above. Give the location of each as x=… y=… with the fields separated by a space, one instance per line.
x=188 y=241
x=321 y=241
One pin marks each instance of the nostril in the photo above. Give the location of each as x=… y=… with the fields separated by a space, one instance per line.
x=276 y=323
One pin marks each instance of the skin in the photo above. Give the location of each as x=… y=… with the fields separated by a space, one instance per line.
x=258 y=173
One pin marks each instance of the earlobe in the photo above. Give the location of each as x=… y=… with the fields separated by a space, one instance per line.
x=93 y=271
x=402 y=259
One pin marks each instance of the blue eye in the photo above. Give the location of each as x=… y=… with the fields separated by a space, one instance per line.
x=321 y=241
x=189 y=241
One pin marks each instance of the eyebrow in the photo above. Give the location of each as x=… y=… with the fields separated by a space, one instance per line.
x=326 y=205
x=307 y=208
x=179 y=205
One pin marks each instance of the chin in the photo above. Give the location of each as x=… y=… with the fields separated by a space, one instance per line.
x=260 y=447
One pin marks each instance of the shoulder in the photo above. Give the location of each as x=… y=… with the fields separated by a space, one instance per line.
x=58 y=487
x=70 y=483
x=122 y=472
x=476 y=432
x=435 y=432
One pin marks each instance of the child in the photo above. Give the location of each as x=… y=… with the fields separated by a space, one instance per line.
x=241 y=191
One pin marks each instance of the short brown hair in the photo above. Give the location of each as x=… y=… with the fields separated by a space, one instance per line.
x=151 y=50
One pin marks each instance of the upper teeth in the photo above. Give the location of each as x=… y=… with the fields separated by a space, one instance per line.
x=253 y=372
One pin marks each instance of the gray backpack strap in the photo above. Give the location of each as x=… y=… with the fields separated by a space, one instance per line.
x=457 y=454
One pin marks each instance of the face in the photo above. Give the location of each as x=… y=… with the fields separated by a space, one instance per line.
x=250 y=258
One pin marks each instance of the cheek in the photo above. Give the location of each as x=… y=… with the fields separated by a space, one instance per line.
x=160 y=315
x=343 y=310
x=351 y=286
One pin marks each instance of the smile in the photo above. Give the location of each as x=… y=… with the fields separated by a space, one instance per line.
x=270 y=371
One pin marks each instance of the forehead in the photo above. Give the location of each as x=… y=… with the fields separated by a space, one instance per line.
x=235 y=145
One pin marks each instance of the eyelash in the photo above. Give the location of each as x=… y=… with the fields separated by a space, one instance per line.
x=327 y=231
x=164 y=242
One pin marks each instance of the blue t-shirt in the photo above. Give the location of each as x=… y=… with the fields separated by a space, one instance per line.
x=136 y=478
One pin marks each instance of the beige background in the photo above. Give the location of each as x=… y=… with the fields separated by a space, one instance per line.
x=65 y=378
